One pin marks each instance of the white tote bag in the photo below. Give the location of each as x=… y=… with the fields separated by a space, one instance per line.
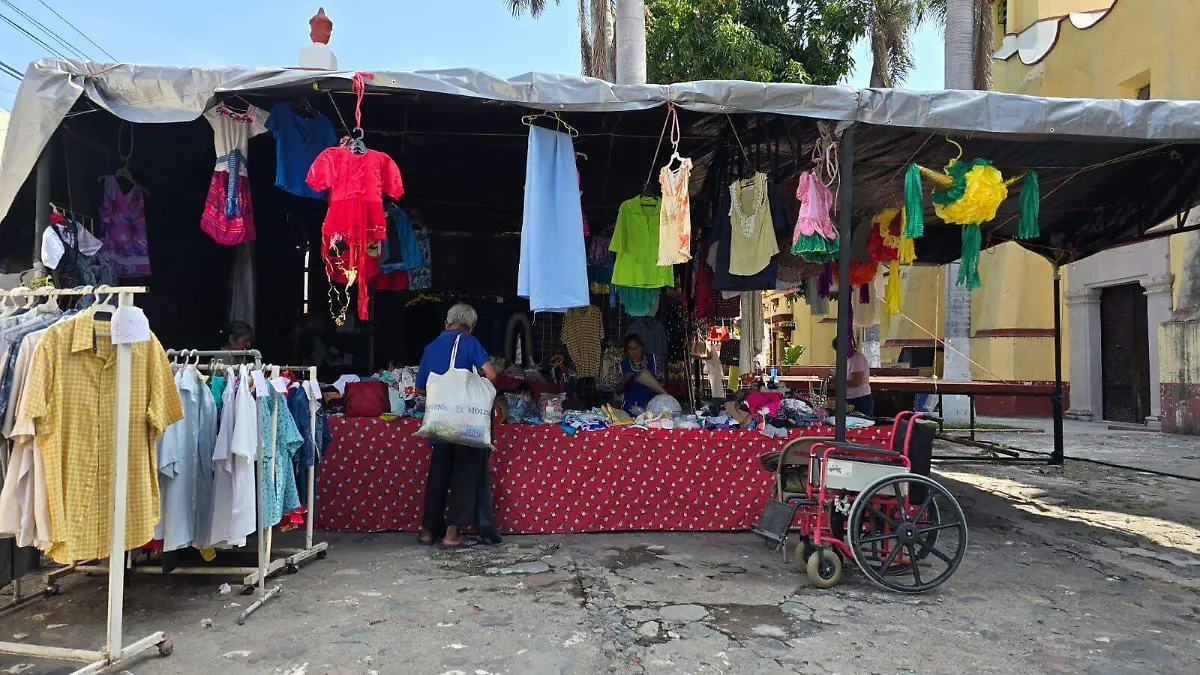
x=458 y=406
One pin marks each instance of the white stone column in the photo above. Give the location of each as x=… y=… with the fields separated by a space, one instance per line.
x=1158 y=311
x=1087 y=389
x=956 y=359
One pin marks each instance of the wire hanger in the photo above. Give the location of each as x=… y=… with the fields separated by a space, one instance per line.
x=125 y=156
x=559 y=122
x=355 y=142
x=304 y=107
x=676 y=137
x=422 y=297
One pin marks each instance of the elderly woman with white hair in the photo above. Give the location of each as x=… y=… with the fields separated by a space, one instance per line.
x=452 y=467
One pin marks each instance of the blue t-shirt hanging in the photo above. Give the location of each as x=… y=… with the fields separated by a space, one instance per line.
x=298 y=141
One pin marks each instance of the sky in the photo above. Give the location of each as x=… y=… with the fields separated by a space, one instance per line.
x=367 y=34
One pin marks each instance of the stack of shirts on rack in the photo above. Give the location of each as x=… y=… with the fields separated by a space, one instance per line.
x=59 y=394
x=207 y=460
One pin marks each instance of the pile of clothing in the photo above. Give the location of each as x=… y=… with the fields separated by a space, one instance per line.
x=575 y=421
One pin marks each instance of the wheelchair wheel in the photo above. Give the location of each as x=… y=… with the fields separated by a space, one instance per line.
x=824 y=568
x=877 y=549
x=907 y=546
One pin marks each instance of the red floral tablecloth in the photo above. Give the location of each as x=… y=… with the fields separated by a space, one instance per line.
x=372 y=479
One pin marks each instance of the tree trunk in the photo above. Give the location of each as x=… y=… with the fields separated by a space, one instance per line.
x=631 y=42
x=956 y=365
x=960 y=44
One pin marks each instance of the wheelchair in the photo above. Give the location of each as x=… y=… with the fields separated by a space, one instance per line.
x=876 y=506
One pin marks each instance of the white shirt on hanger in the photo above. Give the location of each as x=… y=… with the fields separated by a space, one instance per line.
x=53 y=248
x=24 y=500
x=234 y=491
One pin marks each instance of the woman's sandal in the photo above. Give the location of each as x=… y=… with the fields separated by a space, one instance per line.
x=462 y=544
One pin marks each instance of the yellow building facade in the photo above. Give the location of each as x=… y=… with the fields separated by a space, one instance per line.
x=1087 y=49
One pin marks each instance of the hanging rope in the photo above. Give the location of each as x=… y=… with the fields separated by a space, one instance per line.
x=658 y=146
x=360 y=90
x=946 y=345
x=827 y=165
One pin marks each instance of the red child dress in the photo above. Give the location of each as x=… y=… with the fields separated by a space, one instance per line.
x=355 y=219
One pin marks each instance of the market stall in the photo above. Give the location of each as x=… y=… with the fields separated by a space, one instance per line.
x=785 y=185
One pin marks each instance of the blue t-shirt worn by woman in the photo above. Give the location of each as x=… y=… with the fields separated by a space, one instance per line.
x=436 y=359
x=636 y=393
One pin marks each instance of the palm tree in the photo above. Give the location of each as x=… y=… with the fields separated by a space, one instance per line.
x=969 y=32
x=630 y=31
x=597 y=34
x=534 y=7
x=892 y=22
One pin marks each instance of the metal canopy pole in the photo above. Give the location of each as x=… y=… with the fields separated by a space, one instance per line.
x=845 y=297
x=1056 y=458
x=41 y=217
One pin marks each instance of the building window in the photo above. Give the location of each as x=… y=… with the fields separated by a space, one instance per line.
x=1002 y=14
x=1143 y=94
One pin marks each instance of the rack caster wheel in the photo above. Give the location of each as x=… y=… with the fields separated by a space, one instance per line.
x=292 y=568
x=247 y=590
x=52 y=589
x=824 y=568
x=166 y=647
x=321 y=555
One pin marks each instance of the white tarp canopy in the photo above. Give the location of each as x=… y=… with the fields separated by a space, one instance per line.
x=139 y=93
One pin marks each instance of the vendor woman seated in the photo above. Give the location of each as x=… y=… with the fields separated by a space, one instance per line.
x=636 y=361
x=858 y=383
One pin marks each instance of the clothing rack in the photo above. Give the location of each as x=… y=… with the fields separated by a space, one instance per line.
x=114 y=650
x=85 y=221
x=255 y=577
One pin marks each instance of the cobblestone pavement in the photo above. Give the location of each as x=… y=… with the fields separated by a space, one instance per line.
x=1084 y=569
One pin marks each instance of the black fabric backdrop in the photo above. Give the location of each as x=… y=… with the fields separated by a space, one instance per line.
x=463 y=162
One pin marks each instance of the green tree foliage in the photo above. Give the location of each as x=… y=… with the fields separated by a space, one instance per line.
x=758 y=40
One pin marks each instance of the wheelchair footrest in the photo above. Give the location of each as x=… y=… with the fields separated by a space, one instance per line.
x=776 y=521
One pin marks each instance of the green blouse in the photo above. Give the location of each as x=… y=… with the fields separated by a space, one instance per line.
x=635 y=242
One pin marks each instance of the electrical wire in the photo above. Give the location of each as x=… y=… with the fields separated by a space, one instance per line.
x=35 y=39
x=85 y=35
x=10 y=71
x=55 y=36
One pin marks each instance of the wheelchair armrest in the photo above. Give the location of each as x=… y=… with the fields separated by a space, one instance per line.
x=862 y=447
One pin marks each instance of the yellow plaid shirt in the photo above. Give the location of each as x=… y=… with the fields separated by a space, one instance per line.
x=72 y=402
